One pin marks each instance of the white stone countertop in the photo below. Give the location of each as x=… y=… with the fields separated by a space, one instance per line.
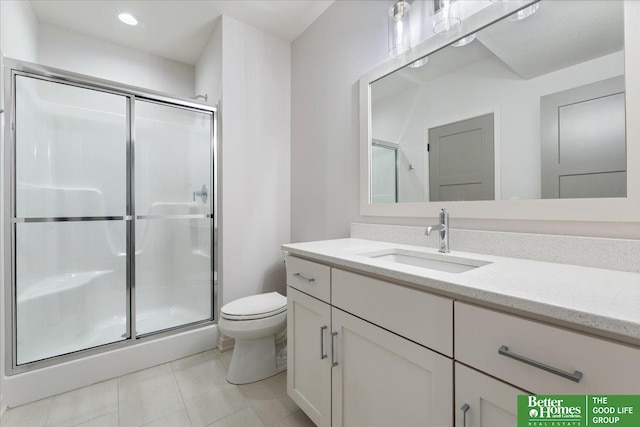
x=594 y=299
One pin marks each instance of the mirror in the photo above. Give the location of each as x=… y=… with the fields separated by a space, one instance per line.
x=527 y=109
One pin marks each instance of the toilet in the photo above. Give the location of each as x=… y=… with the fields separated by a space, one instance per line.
x=259 y=325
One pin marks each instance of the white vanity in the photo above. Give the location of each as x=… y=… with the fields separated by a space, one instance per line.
x=374 y=341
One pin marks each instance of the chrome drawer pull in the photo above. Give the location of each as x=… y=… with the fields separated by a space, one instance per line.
x=333 y=351
x=306 y=279
x=575 y=376
x=464 y=408
x=322 y=354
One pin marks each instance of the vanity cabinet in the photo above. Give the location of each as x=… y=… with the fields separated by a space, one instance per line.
x=368 y=352
x=381 y=379
x=482 y=401
x=541 y=358
x=346 y=370
x=308 y=361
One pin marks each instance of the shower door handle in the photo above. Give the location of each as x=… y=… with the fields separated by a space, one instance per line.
x=203 y=194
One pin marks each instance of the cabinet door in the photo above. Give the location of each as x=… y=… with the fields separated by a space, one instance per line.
x=491 y=403
x=308 y=359
x=382 y=379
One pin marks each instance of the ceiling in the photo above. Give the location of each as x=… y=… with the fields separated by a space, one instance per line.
x=177 y=29
x=558 y=35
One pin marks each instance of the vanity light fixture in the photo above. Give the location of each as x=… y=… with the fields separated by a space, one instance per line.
x=399 y=30
x=465 y=40
x=419 y=62
x=524 y=13
x=128 y=19
x=446 y=15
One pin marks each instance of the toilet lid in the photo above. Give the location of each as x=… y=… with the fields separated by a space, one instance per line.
x=261 y=305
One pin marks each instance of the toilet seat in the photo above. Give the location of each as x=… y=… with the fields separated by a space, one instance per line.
x=255 y=307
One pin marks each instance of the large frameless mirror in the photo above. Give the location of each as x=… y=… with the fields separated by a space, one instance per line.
x=529 y=108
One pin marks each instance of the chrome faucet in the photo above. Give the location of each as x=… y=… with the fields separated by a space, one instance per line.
x=443 y=228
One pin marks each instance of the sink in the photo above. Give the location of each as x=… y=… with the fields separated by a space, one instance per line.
x=429 y=261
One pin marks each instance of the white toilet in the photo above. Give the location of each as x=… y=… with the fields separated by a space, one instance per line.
x=259 y=325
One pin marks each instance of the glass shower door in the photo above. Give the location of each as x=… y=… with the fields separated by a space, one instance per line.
x=174 y=216
x=68 y=220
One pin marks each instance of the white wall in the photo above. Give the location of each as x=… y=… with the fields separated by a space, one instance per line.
x=328 y=59
x=349 y=39
x=256 y=119
x=208 y=72
x=18 y=30
x=72 y=51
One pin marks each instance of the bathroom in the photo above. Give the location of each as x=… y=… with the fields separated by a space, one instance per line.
x=290 y=149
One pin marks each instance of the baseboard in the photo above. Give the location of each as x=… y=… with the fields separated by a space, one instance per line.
x=225 y=343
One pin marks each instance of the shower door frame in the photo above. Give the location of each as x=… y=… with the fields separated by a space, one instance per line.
x=10 y=70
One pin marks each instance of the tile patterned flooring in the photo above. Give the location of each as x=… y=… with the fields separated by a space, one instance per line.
x=188 y=392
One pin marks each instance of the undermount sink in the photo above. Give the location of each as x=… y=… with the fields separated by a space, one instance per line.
x=446 y=263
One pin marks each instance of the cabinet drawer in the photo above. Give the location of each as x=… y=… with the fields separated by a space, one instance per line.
x=419 y=316
x=309 y=277
x=606 y=367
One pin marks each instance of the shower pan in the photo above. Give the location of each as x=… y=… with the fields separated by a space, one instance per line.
x=109 y=233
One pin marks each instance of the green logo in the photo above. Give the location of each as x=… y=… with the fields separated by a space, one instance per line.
x=578 y=410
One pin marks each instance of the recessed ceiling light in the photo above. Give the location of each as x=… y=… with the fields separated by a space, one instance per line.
x=128 y=18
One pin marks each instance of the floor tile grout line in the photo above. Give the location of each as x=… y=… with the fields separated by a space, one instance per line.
x=118 y=394
x=46 y=423
x=184 y=403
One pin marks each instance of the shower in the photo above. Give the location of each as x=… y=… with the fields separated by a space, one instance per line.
x=111 y=220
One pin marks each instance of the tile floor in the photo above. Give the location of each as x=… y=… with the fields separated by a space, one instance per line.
x=188 y=392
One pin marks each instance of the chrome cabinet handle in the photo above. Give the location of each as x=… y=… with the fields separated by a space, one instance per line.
x=322 y=353
x=464 y=408
x=333 y=351
x=306 y=279
x=574 y=376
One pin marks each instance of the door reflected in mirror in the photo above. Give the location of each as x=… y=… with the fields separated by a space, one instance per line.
x=528 y=109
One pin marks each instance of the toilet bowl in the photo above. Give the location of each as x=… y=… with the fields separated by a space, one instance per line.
x=258 y=324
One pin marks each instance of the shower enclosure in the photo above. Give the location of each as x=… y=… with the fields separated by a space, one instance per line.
x=110 y=225
x=384 y=172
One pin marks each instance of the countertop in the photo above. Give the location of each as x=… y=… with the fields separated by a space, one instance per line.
x=605 y=302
